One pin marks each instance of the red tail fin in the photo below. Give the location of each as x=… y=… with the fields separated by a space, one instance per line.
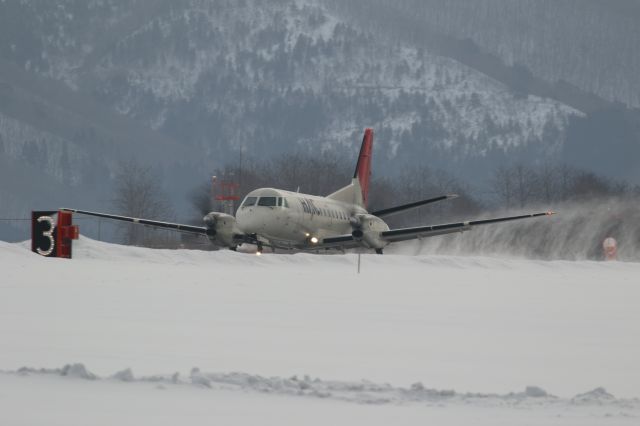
x=363 y=168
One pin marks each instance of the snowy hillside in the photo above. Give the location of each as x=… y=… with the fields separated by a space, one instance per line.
x=296 y=63
x=215 y=74
x=409 y=339
x=591 y=44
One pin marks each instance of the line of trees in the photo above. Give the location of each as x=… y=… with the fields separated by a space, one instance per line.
x=520 y=185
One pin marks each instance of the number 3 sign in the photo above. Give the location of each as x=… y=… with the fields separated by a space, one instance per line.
x=50 y=238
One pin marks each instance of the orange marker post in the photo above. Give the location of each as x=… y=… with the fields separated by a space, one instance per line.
x=610 y=247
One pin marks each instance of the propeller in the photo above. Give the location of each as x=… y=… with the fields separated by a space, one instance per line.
x=356 y=228
x=210 y=221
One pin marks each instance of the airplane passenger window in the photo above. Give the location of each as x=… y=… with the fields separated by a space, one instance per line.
x=249 y=201
x=267 y=201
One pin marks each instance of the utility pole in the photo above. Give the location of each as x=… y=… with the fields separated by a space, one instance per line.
x=240 y=168
x=212 y=195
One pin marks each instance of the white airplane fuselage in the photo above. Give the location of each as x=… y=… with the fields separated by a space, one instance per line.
x=295 y=219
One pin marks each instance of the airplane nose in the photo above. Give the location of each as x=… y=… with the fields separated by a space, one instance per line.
x=246 y=220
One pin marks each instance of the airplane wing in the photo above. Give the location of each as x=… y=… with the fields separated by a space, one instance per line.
x=403 y=234
x=189 y=229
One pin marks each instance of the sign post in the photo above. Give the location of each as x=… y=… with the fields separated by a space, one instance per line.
x=51 y=236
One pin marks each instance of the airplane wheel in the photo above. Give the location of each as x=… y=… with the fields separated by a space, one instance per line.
x=378 y=251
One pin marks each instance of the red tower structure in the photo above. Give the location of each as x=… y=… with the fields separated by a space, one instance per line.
x=225 y=194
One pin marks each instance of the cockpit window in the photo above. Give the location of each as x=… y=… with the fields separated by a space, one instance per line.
x=282 y=202
x=267 y=201
x=249 y=201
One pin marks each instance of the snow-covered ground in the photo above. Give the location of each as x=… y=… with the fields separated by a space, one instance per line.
x=305 y=339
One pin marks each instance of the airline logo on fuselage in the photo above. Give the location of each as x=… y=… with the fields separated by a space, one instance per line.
x=308 y=206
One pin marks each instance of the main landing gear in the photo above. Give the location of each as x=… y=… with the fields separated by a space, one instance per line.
x=379 y=251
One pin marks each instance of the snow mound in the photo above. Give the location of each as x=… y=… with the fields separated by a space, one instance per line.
x=596 y=396
x=359 y=392
x=77 y=370
x=125 y=375
x=535 y=392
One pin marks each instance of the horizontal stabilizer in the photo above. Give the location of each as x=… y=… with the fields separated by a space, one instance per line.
x=399 y=209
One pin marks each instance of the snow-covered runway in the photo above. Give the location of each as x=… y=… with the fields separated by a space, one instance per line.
x=407 y=325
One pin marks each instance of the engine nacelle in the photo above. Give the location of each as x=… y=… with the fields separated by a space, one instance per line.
x=220 y=228
x=367 y=229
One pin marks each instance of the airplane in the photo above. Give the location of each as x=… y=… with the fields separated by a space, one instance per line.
x=285 y=220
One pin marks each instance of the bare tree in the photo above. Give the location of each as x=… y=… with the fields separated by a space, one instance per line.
x=548 y=179
x=515 y=185
x=138 y=193
x=201 y=199
x=526 y=184
x=503 y=185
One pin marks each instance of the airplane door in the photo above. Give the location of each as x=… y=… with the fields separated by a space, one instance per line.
x=286 y=212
